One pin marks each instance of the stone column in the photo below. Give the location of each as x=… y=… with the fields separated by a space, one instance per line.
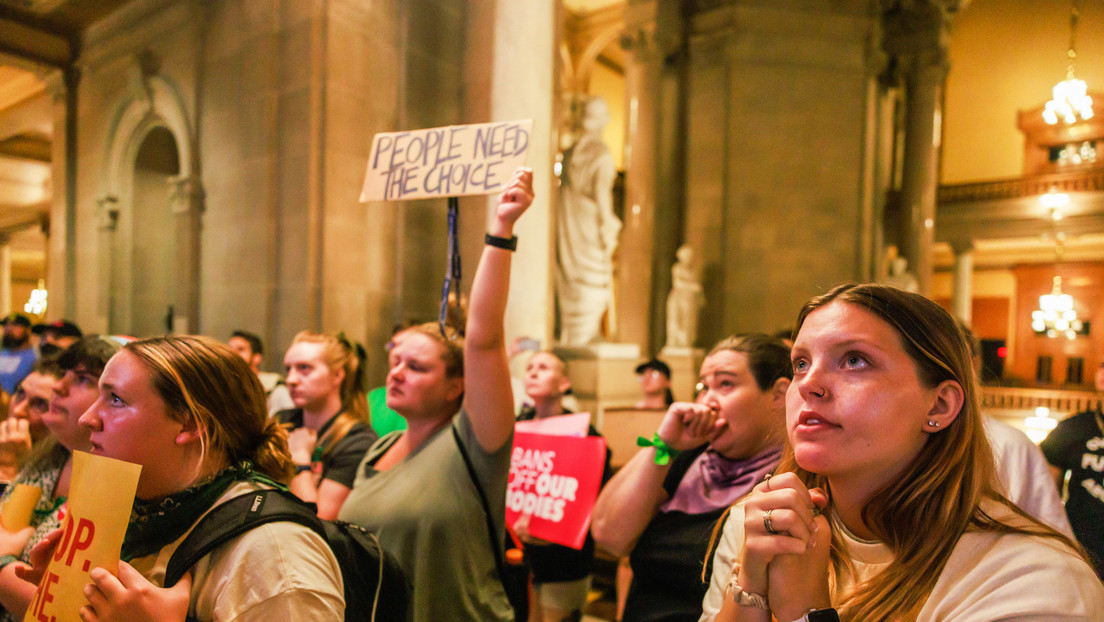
x=963 y=301
x=522 y=87
x=652 y=31
x=61 y=240
x=6 y=274
x=917 y=36
x=107 y=220
x=186 y=200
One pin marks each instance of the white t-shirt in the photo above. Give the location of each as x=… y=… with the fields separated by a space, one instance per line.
x=277 y=395
x=275 y=572
x=990 y=577
x=1025 y=475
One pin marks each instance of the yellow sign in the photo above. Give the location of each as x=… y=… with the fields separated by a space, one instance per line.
x=451 y=161
x=101 y=495
x=17 y=510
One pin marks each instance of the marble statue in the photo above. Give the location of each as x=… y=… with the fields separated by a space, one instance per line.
x=586 y=232
x=900 y=277
x=684 y=302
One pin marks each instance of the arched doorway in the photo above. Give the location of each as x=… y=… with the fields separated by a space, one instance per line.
x=151 y=236
x=149 y=216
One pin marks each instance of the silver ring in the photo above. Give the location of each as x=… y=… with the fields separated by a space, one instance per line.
x=767 y=523
x=766 y=480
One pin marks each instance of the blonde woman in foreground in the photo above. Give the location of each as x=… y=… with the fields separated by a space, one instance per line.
x=885 y=505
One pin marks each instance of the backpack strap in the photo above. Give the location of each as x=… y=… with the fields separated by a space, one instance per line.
x=235 y=517
x=498 y=555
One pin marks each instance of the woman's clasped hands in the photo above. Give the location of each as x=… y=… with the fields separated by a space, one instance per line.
x=786 y=545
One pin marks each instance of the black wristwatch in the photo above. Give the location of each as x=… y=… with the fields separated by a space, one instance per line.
x=820 y=615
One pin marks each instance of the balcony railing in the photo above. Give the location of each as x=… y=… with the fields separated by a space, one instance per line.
x=1022 y=187
x=1060 y=403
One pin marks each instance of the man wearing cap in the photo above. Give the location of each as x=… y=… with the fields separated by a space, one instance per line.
x=655 y=381
x=56 y=336
x=17 y=357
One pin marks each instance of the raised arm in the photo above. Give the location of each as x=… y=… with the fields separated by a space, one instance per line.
x=488 y=397
x=628 y=502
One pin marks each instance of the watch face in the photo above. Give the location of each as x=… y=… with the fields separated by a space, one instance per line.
x=823 y=615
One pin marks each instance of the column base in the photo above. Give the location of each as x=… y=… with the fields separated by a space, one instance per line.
x=602 y=375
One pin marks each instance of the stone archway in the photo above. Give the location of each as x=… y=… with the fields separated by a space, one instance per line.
x=152 y=106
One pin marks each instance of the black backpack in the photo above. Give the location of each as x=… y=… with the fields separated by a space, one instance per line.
x=375 y=585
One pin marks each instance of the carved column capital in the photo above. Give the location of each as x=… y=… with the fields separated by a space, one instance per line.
x=186 y=195
x=107 y=212
x=918 y=30
x=961 y=247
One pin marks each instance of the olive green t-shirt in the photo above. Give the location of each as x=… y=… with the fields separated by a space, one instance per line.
x=427 y=513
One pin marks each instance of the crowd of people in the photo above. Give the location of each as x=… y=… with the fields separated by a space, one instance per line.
x=846 y=474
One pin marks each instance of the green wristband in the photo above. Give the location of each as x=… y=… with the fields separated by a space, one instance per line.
x=664 y=452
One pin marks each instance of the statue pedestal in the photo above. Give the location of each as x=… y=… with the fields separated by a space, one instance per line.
x=602 y=374
x=685 y=364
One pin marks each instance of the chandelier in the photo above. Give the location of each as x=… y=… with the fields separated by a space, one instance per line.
x=1071 y=99
x=1055 y=316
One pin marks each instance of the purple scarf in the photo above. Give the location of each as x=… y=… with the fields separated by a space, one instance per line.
x=714 y=482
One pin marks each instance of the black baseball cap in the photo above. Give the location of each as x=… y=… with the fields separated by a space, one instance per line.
x=18 y=319
x=655 y=364
x=61 y=328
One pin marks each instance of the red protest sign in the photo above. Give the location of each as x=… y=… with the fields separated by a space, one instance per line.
x=555 y=479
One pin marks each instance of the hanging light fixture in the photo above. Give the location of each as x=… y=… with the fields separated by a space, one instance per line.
x=1056 y=316
x=1071 y=98
x=1039 y=426
x=37 y=303
x=1054 y=201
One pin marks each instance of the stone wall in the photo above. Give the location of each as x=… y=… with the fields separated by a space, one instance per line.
x=274 y=106
x=776 y=102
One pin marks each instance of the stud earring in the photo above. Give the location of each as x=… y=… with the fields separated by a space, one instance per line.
x=933 y=423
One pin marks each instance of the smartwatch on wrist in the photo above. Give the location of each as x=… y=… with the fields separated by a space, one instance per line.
x=820 y=615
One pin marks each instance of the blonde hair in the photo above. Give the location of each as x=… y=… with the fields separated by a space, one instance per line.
x=937 y=498
x=205 y=382
x=340 y=352
x=452 y=346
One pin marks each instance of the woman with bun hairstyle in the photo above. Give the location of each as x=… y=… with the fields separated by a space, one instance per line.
x=420 y=489
x=661 y=507
x=886 y=504
x=192 y=413
x=328 y=429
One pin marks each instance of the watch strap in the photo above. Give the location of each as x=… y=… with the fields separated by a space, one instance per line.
x=820 y=615
x=509 y=243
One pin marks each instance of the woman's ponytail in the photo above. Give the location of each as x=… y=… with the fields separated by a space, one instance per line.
x=272 y=456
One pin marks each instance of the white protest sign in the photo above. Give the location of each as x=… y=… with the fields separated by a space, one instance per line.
x=451 y=161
